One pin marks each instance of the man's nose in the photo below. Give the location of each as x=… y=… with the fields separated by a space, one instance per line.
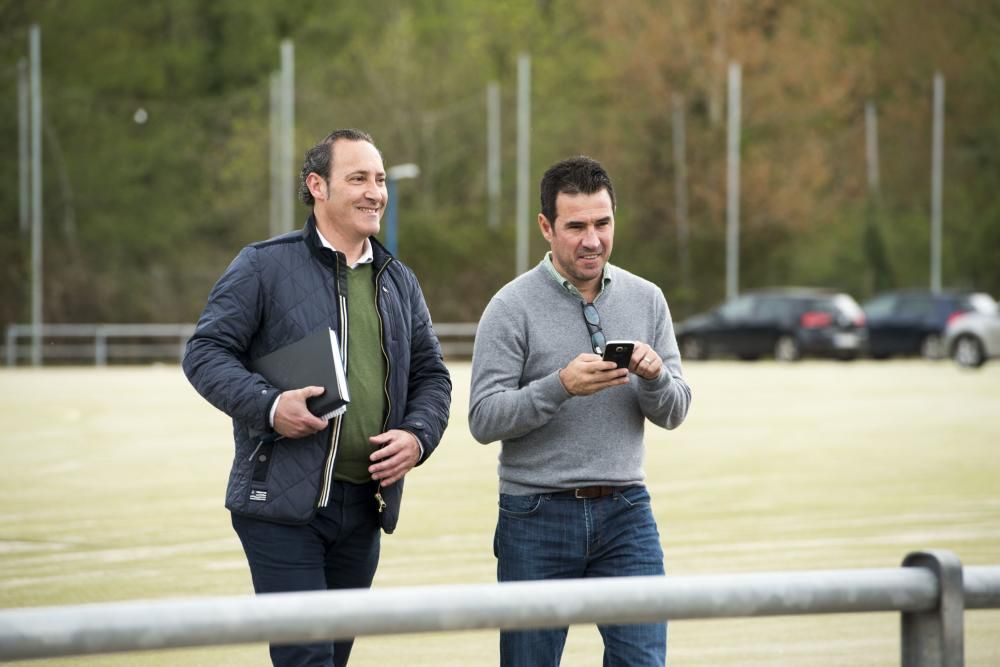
x=590 y=238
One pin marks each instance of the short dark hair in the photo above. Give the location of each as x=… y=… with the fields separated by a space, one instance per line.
x=319 y=159
x=575 y=175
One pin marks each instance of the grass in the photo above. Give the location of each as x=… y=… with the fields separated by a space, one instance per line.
x=114 y=482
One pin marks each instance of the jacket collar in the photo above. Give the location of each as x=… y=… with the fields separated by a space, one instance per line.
x=381 y=255
x=336 y=258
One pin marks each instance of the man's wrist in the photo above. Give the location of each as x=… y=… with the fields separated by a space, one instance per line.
x=416 y=438
x=274 y=411
x=563 y=382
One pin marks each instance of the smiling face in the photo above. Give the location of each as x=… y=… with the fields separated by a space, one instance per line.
x=581 y=237
x=349 y=207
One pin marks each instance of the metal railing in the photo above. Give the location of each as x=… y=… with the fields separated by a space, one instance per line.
x=931 y=590
x=100 y=342
x=108 y=343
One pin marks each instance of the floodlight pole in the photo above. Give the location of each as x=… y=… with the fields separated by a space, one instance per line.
x=493 y=152
x=392 y=174
x=275 y=223
x=733 y=185
x=871 y=146
x=680 y=189
x=523 y=159
x=34 y=54
x=287 y=135
x=937 y=154
x=23 y=145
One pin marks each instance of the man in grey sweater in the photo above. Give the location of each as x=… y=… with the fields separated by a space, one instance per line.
x=573 y=503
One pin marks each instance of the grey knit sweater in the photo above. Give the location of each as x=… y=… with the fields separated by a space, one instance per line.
x=551 y=440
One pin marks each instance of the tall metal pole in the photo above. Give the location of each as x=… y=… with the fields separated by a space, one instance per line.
x=275 y=223
x=874 y=245
x=287 y=135
x=937 y=155
x=23 y=152
x=493 y=152
x=680 y=190
x=523 y=158
x=35 y=55
x=871 y=146
x=733 y=186
x=391 y=219
x=393 y=175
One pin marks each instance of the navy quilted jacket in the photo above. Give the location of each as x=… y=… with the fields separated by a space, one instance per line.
x=274 y=293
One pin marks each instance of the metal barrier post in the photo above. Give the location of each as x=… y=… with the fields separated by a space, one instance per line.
x=100 y=347
x=935 y=638
x=12 y=345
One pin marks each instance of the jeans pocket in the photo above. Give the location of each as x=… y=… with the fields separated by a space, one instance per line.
x=635 y=496
x=519 y=505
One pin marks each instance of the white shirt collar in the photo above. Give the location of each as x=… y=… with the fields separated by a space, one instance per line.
x=367 y=257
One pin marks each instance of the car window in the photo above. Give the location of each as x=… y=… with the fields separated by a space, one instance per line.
x=913 y=305
x=773 y=309
x=739 y=308
x=822 y=304
x=881 y=306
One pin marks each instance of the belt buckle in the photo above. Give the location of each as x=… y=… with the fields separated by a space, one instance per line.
x=576 y=494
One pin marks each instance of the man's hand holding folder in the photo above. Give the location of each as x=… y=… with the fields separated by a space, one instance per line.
x=306 y=370
x=292 y=418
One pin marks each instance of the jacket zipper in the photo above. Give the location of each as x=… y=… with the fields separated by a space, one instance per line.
x=324 y=496
x=388 y=370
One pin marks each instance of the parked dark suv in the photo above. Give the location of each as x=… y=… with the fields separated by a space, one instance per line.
x=912 y=321
x=787 y=323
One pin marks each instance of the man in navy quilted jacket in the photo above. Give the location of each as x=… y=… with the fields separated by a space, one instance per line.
x=309 y=497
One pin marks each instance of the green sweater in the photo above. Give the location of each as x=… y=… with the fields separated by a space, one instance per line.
x=366 y=372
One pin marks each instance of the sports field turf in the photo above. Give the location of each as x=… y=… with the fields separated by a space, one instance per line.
x=113 y=482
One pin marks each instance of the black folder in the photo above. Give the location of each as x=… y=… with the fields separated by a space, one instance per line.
x=312 y=361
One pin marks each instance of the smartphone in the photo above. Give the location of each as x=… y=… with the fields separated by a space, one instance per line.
x=619 y=351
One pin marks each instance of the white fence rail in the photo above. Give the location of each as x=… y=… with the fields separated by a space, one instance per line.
x=932 y=591
x=102 y=344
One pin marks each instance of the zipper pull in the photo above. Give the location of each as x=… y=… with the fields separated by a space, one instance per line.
x=256 y=449
x=378 y=497
x=267 y=439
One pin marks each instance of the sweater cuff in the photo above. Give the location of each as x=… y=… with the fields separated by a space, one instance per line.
x=656 y=383
x=551 y=389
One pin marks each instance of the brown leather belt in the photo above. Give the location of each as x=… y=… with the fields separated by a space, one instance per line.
x=588 y=492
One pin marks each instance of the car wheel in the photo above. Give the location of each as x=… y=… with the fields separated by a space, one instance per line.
x=787 y=349
x=932 y=347
x=693 y=348
x=968 y=352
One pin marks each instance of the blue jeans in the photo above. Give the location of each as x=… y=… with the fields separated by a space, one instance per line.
x=339 y=548
x=552 y=537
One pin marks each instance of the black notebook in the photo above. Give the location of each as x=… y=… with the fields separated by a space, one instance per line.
x=312 y=361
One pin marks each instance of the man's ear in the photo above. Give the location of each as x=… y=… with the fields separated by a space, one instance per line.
x=547 y=228
x=317 y=186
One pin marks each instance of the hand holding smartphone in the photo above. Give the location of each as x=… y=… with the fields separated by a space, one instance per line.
x=619 y=351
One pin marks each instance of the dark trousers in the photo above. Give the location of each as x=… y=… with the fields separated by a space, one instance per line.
x=338 y=549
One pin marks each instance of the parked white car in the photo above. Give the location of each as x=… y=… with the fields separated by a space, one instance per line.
x=973 y=338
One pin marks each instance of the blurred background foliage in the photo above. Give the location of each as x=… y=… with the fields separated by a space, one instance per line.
x=140 y=219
